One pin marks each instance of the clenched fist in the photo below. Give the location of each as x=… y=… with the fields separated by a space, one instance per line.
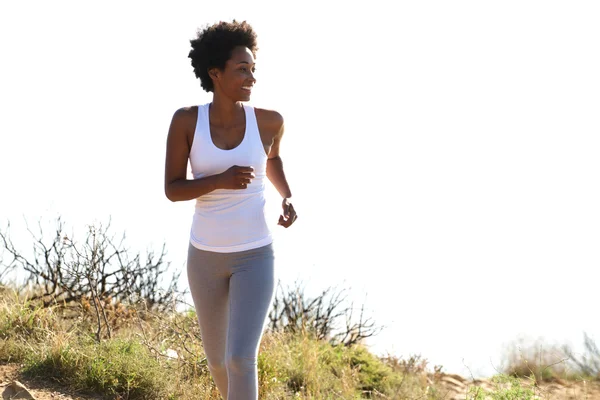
x=289 y=216
x=236 y=177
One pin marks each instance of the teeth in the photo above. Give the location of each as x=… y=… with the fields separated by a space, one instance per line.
x=247 y=87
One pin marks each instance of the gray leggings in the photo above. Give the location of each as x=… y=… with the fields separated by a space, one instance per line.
x=232 y=293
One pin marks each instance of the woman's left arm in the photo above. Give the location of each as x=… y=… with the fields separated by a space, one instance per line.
x=276 y=175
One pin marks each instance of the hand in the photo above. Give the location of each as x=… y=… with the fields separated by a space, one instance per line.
x=236 y=177
x=289 y=214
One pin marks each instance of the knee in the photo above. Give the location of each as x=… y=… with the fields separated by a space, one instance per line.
x=216 y=366
x=241 y=365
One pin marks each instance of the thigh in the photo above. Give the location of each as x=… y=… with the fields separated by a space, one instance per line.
x=208 y=279
x=251 y=292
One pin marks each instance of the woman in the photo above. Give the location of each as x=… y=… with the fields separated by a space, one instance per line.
x=231 y=147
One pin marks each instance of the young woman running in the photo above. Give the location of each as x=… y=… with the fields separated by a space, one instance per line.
x=232 y=148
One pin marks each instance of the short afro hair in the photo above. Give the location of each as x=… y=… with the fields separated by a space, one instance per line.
x=213 y=45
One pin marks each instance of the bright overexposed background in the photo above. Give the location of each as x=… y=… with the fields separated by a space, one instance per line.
x=443 y=156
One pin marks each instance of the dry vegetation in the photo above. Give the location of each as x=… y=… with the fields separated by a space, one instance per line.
x=158 y=355
x=89 y=329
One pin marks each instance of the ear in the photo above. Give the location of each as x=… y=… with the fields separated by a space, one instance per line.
x=213 y=73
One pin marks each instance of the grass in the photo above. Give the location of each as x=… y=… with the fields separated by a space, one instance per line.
x=505 y=388
x=160 y=356
x=114 y=367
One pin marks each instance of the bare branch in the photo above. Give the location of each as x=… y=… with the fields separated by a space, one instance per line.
x=98 y=267
x=293 y=312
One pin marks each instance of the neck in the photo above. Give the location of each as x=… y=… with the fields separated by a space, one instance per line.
x=224 y=111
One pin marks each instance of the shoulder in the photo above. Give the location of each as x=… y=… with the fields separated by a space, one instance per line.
x=183 y=125
x=269 y=119
x=185 y=114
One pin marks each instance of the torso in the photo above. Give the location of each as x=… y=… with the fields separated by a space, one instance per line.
x=228 y=220
x=230 y=138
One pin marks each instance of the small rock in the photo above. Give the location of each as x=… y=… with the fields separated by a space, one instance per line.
x=171 y=354
x=16 y=390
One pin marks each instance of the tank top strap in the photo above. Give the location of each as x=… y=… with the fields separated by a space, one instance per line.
x=201 y=133
x=252 y=130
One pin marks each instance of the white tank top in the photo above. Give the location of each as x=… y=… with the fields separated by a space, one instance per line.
x=229 y=220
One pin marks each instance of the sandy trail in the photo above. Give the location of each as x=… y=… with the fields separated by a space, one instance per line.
x=456 y=387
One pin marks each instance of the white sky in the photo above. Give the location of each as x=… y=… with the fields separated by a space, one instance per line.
x=443 y=155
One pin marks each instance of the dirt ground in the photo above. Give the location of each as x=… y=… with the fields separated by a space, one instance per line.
x=41 y=390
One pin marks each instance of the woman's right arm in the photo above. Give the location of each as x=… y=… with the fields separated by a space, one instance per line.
x=177 y=187
x=179 y=139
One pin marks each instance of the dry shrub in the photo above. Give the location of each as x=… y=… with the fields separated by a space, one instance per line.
x=538 y=360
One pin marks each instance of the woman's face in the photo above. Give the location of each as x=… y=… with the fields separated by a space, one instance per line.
x=237 y=79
